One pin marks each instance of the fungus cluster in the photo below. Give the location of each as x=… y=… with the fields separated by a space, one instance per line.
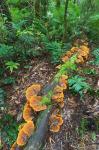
x=69 y=54
x=82 y=54
x=34 y=101
x=14 y=146
x=27 y=112
x=58 y=93
x=55 y=122
x=33 y=104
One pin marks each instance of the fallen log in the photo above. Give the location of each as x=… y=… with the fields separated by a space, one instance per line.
x=37 y=139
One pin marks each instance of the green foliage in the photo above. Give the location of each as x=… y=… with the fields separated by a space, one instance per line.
x=82 y=129
x=78 y=84
x=46 y=100
x=9 y=129
x=89 y=71
x=93 y=136
x=67 y=67
x=11 y=65
x=2 y=97
x=55 y=50
x=8 y=80
x=6 y=51
x=96 y=56
x=88 y=124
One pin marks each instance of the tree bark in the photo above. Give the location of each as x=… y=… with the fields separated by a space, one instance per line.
x=38 y=9
x=65 y=20
x=58 y=3
x=44 y=4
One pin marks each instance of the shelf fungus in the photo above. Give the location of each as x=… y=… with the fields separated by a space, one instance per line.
x=33 y=90
x=69 y=54
x=63 y=81
x=61 y=104
x=15 y=146
x=83 y=54
x=24 y=133
x=28 y=128
x=36 y=103
x=58 y=89
x=27 y=112
x=65 y=58
x=74 y=49
x=58 y=97
x=22 y=138
x=55 y=123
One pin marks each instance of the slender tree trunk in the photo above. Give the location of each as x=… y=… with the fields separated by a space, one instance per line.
x=65 y=20
x=75 y=1
x=44 y=4
x=58 y=3
x=31 y=4
x=38 y=8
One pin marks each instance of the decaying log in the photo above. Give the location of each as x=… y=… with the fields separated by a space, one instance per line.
x=37 y=140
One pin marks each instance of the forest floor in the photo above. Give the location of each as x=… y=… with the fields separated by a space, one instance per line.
x=41 y=71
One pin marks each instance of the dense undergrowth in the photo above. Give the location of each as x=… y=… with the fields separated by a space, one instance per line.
x=28 y=32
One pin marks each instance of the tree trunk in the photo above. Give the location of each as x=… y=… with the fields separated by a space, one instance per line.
x=58 y=3
x=44 y=4
x=65 y=20
x=38 y=9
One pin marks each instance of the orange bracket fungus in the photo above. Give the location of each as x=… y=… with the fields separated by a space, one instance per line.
x=36 y=103
x=58 y=89
x=55 y=123
x=27 y=112
x=58 y=97
x=24 y=133
x=28 y=128
x=63 y=81
x=33 y=90
x=14 y=146
x=22 y=138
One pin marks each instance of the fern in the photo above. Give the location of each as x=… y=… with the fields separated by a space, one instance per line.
x=96 y=55
x=55 y=50
x=6 y=51
x=11 y=65
x=78 y=84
